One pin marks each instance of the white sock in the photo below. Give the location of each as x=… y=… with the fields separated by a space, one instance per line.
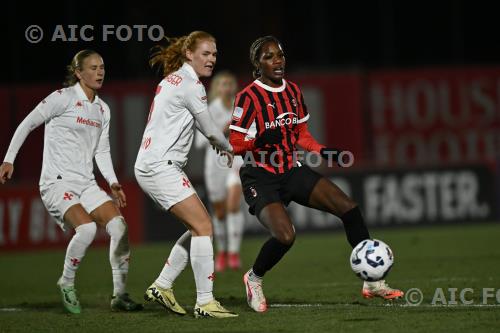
x=202 y=262
x=83 y=237
x=219 y=234
x=235 y=223
x=119 y=253
x=176 y=262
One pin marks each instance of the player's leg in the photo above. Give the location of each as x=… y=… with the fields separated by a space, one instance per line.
x=64 y=206
x=235 y=223
x=193 y=214
x=220 y=233
x=328 y=197
x=275 y=218
x=161 y=291
x=108 y=216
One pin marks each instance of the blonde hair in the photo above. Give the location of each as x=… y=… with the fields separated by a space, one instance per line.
x=170 y=58
x=213 y=91
x=76 y=63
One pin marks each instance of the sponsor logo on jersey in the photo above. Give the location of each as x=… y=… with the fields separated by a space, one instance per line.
x=282 y=121
x=174 y=79
x=237 y=113
x=88 y=122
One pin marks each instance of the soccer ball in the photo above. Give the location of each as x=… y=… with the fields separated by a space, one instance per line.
x=371 y=260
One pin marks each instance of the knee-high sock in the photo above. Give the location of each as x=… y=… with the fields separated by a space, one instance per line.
x=176 y=262
x=235 y=223
x=354 y=226
x=202 y=262
x=83 y=237
x=220 y=234
x=270 y=254
x=119 y=253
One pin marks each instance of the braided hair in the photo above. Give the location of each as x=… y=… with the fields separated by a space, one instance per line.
x=255 y=50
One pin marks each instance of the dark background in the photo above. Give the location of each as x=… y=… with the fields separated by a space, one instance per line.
x=317 y=35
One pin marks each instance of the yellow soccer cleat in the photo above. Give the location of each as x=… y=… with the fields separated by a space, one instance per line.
x=213 y=309
x=164 y=297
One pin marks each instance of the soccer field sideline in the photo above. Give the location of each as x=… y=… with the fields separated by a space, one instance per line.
x=312 y=290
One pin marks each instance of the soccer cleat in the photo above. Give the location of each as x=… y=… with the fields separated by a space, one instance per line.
x=164 y=297
x=213 y=309
x=255 y=296
x=220 y=262
x=380 y=289
x=123 y=302
x=69 y=298
x=233 y=261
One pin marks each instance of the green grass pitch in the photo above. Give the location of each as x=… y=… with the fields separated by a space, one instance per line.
x=311 y=290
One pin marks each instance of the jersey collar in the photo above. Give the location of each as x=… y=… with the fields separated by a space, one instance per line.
x=187 y=67
x=81 y=94
x=269 y=88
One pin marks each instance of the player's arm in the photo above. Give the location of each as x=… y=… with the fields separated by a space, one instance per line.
x=242 y=118
x=105 y=164
x=196 y=102
x=50 y=107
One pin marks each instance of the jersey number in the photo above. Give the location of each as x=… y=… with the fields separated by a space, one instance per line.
x=158 y=89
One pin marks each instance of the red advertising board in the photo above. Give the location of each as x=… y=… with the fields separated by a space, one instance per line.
x=25 y=223
x=436 y=116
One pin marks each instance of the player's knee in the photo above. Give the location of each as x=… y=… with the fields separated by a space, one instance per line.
x=116 y=227
x=86 y=232
x=202 y=229
x=286 y=237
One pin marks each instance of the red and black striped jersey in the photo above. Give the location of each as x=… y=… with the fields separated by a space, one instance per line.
x=282 y=107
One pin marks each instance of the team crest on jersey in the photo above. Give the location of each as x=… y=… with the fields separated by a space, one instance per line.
x=79 y=104
x=237 y=113
x=294 y=102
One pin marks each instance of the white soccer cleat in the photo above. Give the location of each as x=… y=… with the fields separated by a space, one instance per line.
x=255 y=296
x=380 y=289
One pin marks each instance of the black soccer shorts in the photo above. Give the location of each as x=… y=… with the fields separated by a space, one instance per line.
x=261 y=187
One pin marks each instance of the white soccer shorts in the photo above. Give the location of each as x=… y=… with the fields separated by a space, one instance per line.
x=60 y=196
x=167 y=185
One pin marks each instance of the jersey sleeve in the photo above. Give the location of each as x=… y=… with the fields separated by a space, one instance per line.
x=103 y=153
x=243 y=114
x=54 y=104
x=196 y=98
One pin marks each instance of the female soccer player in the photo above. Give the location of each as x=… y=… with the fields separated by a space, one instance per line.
x=278 y=110
x=180 y=102
x=76 y=131
x=223 y=184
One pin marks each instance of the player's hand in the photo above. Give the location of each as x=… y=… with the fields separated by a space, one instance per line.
x=270 y=136
x=6 y=170
x=230 y=157
x=119 y=195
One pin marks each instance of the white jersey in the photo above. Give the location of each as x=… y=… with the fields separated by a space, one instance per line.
x=75 y=130
x=170 y=128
